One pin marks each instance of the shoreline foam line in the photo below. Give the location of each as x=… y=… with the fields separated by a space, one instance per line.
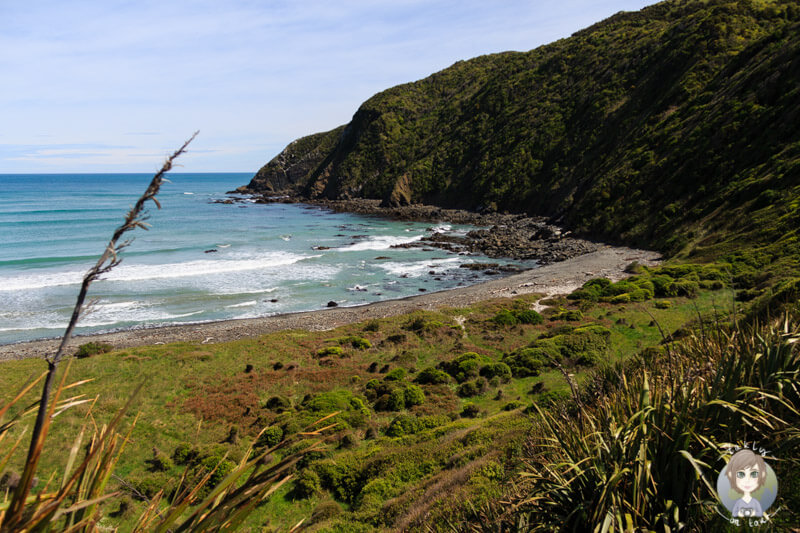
x=555 y=278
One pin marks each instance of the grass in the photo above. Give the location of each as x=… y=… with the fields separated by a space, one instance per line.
x=196 y=394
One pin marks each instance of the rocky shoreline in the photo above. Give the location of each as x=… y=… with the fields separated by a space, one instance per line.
x=506 y=235
x=558 y=278
x=565 y=263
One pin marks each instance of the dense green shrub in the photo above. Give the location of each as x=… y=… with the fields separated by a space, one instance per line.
x=472 y=388
x=395 y=375
x=572 y=315
x=393 y=400
x=500 y=370
x=270 y=437
x=515 y=404
x=222 y=467
x=413 y=395
x=307 y=484
x=185 y=454
x=409 y=424
x=663 y=286
x=621 y=298
x=360 y=343
x=90 y=349
x=470 y=410
x=329 y=402
x=530 y=361
x=432 y=376
x=505 y=318
x=687 y=288
x=422 y=325
x=528 y=316
x=676 y=280
x=465 y=366
x=330 y=351
x=550 y=398
x=585 y=345
x=585 y=295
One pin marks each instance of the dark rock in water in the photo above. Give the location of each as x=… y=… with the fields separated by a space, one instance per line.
x=381 y=257
x=211 y=251
x=432 y=272
x=504 y=235
x=479 y=266
x=332 y=304
x=320 y=247
x=422 y=290
x=274 y=300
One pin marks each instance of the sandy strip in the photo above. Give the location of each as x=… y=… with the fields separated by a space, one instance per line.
x=556 y=278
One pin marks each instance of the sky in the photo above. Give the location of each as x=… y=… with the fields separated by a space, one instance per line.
x=116 y=85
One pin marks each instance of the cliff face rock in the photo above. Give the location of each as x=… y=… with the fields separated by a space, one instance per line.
x=402 y=194
x=674 y=127
x=288 y=172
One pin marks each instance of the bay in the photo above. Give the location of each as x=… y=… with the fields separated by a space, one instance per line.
x=201 y=260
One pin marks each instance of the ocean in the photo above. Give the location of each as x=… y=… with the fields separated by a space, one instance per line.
x=201 y=260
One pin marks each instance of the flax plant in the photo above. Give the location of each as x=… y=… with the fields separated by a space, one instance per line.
x=26 y=513
x=646 y=456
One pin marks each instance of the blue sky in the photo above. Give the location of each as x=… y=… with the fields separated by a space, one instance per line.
x=115 y=85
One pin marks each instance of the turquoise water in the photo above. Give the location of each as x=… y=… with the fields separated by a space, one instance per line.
x=53 y=227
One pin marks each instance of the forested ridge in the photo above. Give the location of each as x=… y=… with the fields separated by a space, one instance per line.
x=674 y=127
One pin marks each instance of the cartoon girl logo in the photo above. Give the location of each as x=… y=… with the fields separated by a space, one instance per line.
x=747 y=486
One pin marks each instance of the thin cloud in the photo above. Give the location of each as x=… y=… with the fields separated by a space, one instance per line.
x=245 y=72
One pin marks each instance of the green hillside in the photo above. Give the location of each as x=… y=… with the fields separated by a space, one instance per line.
x=674 y=128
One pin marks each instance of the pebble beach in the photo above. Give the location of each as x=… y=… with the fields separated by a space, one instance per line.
x=549 y=280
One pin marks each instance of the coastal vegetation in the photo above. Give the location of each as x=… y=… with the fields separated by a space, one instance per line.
x=611 y=408
x=438 y=401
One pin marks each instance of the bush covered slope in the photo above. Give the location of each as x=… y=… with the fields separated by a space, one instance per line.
x=674 y=127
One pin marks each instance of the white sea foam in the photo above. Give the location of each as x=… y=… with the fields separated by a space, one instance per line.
x=441 y=228
x=243 y=304
x=382 y=242
x=199 y=268
x=234 y=292
x=420 y=268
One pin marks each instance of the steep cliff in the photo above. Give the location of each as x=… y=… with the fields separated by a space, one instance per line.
x=674 y=127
